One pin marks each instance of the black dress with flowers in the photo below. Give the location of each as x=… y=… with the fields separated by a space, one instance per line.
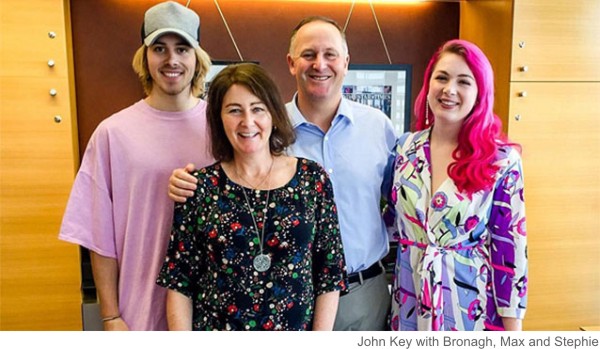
x=214 y=241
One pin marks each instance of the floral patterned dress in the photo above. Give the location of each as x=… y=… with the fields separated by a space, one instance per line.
x=461 y=262
x=214 y=242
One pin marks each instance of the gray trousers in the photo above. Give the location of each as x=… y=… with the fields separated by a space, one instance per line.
x=366 y=307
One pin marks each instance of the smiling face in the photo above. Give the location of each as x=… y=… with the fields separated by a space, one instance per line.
x=318 y=59
x=247 y=122
x=171 y=63
x=452 y=89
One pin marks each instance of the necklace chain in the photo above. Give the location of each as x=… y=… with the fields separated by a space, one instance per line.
x=248 y=182
x=265 y=210
x=261 y=262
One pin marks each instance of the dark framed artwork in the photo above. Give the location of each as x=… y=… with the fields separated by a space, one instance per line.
x=215 y=68
x=385 y=87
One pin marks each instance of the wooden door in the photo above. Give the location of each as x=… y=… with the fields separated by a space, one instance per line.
x=39 y=275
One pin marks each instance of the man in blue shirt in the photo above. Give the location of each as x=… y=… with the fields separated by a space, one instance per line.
x=353 y=142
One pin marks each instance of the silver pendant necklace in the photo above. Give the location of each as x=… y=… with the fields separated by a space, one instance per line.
x=262 y=262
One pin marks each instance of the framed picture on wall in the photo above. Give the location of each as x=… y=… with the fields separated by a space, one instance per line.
x=385 y=87
x=215 y=68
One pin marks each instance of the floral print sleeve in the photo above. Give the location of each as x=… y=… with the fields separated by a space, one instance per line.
x=179 y=271
x=329 y=265
x=509 y=239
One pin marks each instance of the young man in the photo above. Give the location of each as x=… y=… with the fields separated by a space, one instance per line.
x=118 y=208
x=353 y=142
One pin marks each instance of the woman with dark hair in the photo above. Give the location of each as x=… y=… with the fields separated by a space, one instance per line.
x=458 y=201
x=258 y=246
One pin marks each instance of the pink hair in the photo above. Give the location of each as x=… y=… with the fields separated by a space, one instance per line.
x=481 y=134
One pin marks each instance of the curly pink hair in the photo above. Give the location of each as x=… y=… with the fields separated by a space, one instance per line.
x=481 y=134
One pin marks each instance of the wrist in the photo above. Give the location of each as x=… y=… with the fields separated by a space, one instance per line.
x=111 y=318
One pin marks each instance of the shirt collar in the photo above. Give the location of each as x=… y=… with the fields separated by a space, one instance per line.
x=344 y=111
x=295 y=114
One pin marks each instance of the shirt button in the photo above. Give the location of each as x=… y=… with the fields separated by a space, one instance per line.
x=330 y=170
x=326 y=138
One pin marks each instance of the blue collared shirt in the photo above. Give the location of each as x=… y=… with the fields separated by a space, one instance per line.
x=356 y=151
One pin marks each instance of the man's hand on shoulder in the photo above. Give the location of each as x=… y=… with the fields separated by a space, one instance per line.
x=182 y=184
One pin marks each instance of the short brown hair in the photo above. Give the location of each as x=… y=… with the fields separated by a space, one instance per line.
x=140 y=66
x=311 y=19
x=258 y=81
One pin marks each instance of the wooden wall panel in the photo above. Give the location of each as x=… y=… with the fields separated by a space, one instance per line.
x=560 y=40
x=558 y=125
x=28 y=27
x=559 y=129
x=39 y=275
x=477 y=20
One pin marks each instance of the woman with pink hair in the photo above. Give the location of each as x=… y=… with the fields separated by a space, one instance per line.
x=456 y=205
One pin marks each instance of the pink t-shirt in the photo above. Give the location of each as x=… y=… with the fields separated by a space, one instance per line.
x=119 y=206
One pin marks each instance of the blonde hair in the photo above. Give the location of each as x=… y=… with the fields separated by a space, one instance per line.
x=140 y=66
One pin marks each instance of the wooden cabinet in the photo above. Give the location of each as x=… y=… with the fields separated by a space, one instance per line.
x=545 y=56
x=556 y=40
x=39 y=275
x=558 y=126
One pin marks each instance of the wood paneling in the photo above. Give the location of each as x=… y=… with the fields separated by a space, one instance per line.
x=25 y=31
x=39 y=275
x=477 y=20
x=559 y=129
x=560 y=40
x=558 y=125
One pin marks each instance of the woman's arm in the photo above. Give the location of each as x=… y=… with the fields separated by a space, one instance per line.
x=179 y=311
x=508 y=256
x=325 y=310
x=512 y=324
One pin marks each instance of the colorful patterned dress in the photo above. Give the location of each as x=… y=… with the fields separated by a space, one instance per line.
x=214 y=241
x=462 y=259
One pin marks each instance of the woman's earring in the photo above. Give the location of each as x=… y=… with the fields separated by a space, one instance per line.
x=426 y=113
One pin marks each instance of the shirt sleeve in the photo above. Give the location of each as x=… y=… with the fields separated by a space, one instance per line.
x=390 y=193
x=180 y=270
x=509 y=241
x=391 y=142
x=328 y=254
x=88 y=220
